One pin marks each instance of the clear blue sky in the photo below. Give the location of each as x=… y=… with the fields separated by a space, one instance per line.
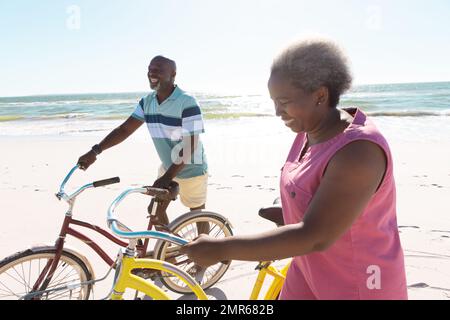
x=220 y=46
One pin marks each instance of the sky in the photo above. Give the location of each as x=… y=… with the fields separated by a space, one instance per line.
x=92 y=46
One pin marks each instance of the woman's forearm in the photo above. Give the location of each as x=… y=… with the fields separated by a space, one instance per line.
x=281 y=243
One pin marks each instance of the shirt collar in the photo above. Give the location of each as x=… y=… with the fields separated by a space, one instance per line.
x=175 y=94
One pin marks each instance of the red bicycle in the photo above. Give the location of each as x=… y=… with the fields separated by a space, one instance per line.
x=57 y=272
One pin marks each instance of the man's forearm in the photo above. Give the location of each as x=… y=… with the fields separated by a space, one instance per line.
x=115 y=137
x=174 y=169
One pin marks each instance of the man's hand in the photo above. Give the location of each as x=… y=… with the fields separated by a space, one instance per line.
x=86 y=160
x=204 y=251
x=163 y=182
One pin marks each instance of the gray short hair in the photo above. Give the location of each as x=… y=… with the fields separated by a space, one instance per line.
x=313 y=63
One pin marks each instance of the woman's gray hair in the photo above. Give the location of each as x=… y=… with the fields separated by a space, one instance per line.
x=313 y=63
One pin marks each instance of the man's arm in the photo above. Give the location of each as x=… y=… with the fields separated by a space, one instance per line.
x=116 y=136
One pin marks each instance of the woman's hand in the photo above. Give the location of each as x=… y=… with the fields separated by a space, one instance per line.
x=204 y=251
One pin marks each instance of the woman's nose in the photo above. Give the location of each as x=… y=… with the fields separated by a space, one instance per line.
x=278 y=109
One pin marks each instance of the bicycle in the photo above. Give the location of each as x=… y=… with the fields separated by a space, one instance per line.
x=125 y=279
x=38 y=271
x=275 y=215
x=127 y=262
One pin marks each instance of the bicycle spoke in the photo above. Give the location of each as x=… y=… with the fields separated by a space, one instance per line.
x=29 y=272
x=193 y=231
x=60 y=282
x=65 y=276
x=12 y=277
x=62 y=270
x=24 y=279
x=183 y=262
x=9 y=295
x=218 y=232
x=8 y=289
x=20 y=277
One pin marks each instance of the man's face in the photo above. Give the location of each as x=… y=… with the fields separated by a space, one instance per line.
x=160 y=74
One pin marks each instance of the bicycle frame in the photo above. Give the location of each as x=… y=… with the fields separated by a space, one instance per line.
x=265 y=268
x=126 y=279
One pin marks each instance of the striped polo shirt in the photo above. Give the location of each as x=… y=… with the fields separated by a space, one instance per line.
x=178 y=117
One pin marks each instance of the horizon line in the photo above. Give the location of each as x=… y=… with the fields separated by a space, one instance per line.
x=198 y=91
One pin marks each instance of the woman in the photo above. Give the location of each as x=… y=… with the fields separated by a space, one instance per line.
x=337 y=190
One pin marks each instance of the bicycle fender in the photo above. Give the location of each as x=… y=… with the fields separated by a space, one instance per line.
x=36 y=248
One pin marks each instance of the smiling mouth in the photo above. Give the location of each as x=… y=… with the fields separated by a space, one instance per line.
x=154 y=81
x=288 y=121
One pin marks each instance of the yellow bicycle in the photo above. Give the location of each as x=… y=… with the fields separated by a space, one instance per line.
x=125 y=277
x=273 y=214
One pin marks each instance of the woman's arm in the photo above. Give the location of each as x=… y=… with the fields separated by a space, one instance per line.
x=352 y=177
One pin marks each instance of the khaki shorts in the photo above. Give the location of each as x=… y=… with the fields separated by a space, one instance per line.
x=192 y=190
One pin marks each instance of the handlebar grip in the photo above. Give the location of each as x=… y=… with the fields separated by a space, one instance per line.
x=106 y=182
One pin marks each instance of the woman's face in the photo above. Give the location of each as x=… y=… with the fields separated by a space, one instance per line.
x=296 y=107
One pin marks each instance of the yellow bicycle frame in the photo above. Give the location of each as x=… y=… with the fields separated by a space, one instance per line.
x=127 y=280
x=277 y=283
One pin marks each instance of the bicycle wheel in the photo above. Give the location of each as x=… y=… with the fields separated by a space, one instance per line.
x=19 y=272
x=186 y=226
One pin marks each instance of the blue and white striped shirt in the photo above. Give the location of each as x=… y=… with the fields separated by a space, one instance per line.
x=171 y=125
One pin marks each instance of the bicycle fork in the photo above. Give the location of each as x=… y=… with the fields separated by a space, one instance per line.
x=50 y=268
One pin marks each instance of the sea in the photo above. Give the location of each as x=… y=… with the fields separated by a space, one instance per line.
x=410 y=110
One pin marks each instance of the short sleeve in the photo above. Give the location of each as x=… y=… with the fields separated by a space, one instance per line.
x=139 y=111
x=192 y=119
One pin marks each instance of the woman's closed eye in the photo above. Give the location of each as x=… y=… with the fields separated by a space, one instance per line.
x=284 y=102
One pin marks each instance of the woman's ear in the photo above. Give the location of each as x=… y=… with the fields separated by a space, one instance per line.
x=322 y=95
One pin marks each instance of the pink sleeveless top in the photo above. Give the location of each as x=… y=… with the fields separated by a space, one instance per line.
x=367 y=261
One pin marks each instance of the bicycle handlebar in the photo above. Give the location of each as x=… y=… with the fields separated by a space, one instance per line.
x=62 y=194
x=63 y=184
x=118 y=228
x=102 y=183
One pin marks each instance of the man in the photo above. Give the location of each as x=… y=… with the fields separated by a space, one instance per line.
x=174 y=121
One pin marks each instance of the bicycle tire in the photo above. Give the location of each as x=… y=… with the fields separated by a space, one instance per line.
x=216 y=271
x=37 y=254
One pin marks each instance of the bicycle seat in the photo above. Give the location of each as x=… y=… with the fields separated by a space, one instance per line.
x=274 y=214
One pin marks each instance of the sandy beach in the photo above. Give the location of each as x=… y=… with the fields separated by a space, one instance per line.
x=245 y=157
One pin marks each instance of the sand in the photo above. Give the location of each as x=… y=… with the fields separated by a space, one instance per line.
x=245 y=162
